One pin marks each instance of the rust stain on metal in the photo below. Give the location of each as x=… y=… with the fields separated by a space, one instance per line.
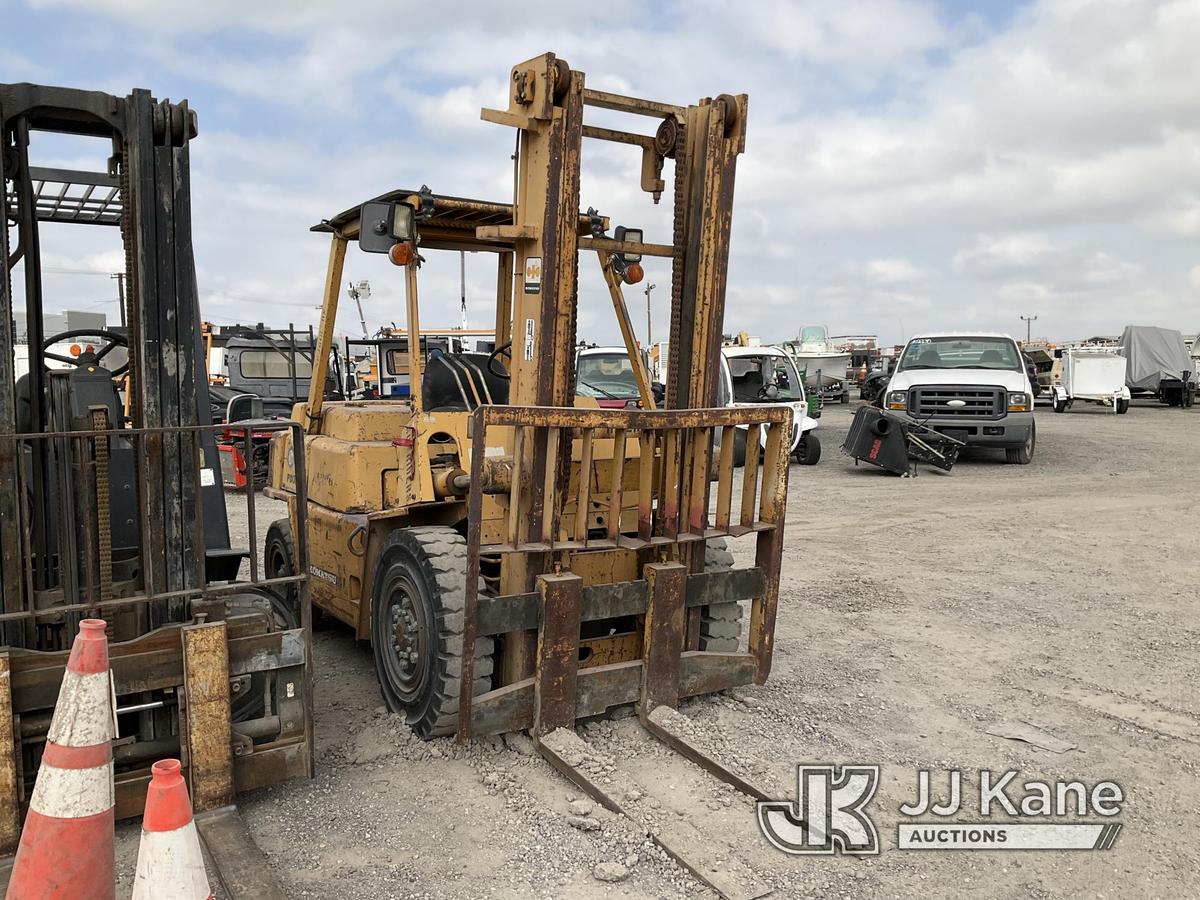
x=9 y=794
x=207 y=719
x=557 y=652
x=664 y=636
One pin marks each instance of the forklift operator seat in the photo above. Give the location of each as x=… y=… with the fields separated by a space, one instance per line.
x=461 y=381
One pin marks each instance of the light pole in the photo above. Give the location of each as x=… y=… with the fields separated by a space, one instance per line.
x=649 y=334
x=1028 y=320
x=360 y=291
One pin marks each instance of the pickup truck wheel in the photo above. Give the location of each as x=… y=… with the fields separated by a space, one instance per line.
x=1122 y=406
x=417 y=627
x=808 y=452
x=720 y=623
x=1023 y=454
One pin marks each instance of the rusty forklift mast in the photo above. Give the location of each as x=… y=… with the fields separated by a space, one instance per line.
x=111 y=503
x=518 y=557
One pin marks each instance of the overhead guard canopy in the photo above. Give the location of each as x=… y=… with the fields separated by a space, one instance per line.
x=452 y=226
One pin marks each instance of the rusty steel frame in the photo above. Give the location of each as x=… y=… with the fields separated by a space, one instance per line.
x=558 y=691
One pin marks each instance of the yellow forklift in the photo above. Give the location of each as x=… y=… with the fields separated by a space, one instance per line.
x=517 y=556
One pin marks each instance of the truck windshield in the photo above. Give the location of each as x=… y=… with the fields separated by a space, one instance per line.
x=751 y=375
x=606 y=375
x=961 y=353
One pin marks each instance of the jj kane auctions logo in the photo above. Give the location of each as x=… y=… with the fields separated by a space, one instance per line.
x=831 y=813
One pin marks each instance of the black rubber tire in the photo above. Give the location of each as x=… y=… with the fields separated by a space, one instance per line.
x=279 y=556
x=1122 y=406
x=739 y=448
x=845 y=397
x=720 y=623
x=808 y=451
x=1060 y=406
x=422 y=572
x=1023 y=455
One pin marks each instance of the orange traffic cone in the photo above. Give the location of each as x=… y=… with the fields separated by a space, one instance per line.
x=170 y=865
x=66 y=848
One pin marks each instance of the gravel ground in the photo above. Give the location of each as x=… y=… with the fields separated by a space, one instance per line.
x=914 y=614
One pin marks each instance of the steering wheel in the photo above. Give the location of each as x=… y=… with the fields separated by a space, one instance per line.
x=112 y=339
x=502 y=350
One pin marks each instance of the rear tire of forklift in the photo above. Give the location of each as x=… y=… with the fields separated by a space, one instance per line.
x=417 y=627
x=279 y=561
x=720 y=623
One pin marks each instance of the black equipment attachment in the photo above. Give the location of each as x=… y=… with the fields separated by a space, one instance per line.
x=895 y=443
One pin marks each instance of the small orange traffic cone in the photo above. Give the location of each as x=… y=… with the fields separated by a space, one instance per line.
x=170 y=865
x=66 y=848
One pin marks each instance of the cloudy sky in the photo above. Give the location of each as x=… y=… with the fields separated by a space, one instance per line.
x=909 y=165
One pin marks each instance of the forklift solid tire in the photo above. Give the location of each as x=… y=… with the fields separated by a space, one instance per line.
x=1023 y=455
x=808 y=452
x=1122 y=406
x=720 y=623
x=279 y=557
x=417 y=606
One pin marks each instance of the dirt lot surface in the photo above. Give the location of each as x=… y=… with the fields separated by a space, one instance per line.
x=914 y=615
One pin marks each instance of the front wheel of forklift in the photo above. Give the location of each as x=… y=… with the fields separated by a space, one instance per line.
x=417 y=627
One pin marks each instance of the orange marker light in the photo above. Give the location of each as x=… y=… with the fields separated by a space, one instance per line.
x=634 y=273
x=76 y=349
x=401 y=254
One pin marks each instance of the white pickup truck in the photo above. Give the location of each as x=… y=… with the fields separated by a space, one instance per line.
x=969 y=386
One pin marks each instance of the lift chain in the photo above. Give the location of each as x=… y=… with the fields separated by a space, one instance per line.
x=678 y=260
x=103 y=508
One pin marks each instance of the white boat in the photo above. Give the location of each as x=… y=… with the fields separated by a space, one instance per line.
x=813 y=352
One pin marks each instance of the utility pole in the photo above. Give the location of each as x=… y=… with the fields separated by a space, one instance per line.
x=120 y=279
x=1028 y=320
x=649 y=334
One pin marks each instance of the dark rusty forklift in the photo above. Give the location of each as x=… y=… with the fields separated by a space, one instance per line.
x=111 y=503
x=518 y=557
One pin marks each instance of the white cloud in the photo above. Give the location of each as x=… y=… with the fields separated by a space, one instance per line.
x=903 y=162
x=892 y=271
